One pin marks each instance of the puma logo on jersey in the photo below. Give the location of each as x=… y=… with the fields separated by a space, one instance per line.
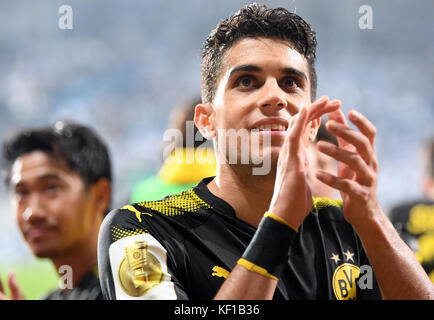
x=220 y=272
x=137 y=212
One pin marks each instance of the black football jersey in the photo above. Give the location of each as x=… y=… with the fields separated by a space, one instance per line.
x=184 y=247
x=87 y=289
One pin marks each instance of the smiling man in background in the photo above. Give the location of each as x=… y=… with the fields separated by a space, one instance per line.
x=60 y=179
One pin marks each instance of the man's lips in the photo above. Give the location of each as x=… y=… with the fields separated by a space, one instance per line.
x=274 y=126
x=272 y=133
x=37 y=233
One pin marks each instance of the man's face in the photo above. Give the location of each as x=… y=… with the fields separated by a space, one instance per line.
x=51 y=204
x=262 y=86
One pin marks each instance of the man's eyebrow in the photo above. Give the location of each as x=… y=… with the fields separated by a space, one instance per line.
x=245 y=68
x=292 y=71
x=253 y=68
x=47 y=176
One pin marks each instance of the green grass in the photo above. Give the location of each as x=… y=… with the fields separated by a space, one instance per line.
x=35 y=277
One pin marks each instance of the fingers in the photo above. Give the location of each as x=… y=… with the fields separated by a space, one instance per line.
x=1 y=286
x=2 y=292
x=297 y=131
x=321 y=107
x=347 y=186
x=355 y=153
x=16 y=293
x=314 y=111
x=352 y=160
x=353 y=137
x=364 y=125
x=338 y=116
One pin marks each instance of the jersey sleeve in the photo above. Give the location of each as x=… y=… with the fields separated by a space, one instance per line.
x=132 y=261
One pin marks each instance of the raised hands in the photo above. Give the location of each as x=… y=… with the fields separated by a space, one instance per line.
x=358 y=166
x=16 y=293
x=357 y=183
x=292 y=199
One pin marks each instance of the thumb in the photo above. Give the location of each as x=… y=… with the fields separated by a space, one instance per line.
x=3 y=296
x=16 y=293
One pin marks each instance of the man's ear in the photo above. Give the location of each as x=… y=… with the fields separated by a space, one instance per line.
x=428 y=187
x=313 y=129
x=203 y=116
x=102 y=191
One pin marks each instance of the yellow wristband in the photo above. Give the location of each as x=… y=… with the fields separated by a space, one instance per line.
x=279 y=219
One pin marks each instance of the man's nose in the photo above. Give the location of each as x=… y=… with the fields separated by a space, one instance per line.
x=34 y=211
x=272 y=97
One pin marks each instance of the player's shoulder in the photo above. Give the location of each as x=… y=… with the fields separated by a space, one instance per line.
x=184 y=203
x=185 y=207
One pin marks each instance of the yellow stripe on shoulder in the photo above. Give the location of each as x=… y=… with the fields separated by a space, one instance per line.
x=322 y=202
x=178 y=204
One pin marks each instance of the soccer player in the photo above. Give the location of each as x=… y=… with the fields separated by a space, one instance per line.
x=414 y=220
x=249 y=234
x=60 y=179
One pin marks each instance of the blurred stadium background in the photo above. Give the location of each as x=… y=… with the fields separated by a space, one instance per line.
x=126 y=64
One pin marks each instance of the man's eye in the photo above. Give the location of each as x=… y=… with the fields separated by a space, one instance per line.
x=51 y=187
x=290 y=82
x=20 y=193
x=245 y=82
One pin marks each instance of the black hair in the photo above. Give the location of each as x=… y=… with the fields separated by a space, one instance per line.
x=256 y=21
x=78 y=146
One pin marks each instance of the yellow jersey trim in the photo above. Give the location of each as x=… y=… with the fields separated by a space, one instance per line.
x=279 y=219
x=178 y=204
x=322 y=202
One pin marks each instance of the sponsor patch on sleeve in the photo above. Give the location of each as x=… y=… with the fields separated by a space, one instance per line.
x=139 y=267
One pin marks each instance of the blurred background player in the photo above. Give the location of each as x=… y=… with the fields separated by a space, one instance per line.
x=184 y=165
x=414 y=220
x=60 y=180
x=321 y=161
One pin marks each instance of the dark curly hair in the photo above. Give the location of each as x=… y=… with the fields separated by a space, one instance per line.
x=79 y=146
x=256 y=21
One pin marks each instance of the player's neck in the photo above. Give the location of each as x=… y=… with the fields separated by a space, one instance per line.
x=249 y=195
x=81 y=259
